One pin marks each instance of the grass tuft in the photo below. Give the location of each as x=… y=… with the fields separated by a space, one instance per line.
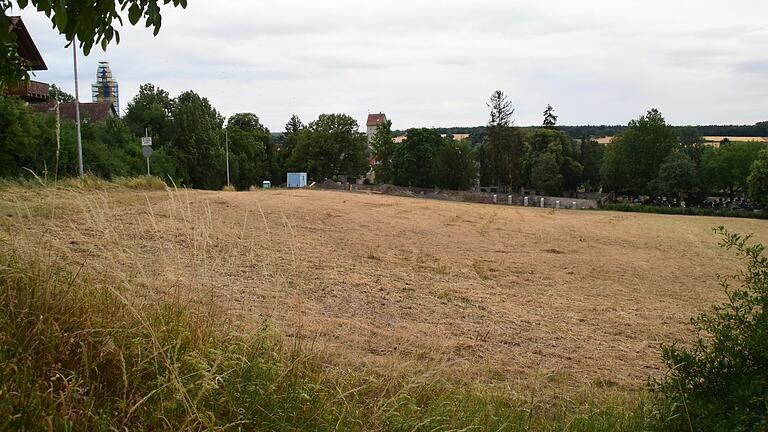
x=89 y=182
x=141 y=182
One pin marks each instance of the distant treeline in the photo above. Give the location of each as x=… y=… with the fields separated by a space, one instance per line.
x=478 y=133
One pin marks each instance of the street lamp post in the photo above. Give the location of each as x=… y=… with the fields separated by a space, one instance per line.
x=77 y=115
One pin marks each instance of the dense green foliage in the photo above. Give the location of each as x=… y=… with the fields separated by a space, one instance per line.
x=454 y=166
x=757 y=181
x=727 y=167
x=28 y=145
x=413 y=160
x=288 y=142
x=383 y=149
x=721 y=381
x=590 y=156
x=251 y=151
x=649 y=158
x=678 y=179
x=632 y=161
x=197 y=142
x=478 y=133
x=18 y=138
x=59 y=95
x=330 y=146
x=504 y=148
x=550 y=163
x=149 y=112
x=692 y=143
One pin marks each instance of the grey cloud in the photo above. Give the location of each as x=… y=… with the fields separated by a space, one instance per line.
x=759 y=67
x=430 y=63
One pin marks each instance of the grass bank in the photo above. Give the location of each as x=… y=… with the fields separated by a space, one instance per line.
x=89 y=182
x=76 y=355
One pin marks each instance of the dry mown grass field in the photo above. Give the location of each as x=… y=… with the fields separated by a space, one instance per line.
x=403 y=285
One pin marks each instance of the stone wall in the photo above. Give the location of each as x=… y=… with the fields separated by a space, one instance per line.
x=468 y=196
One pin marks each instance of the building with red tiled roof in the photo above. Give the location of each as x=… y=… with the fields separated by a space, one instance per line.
x=89 y=111
x=374 y=120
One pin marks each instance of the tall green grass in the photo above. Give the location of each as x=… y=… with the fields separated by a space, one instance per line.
x=78 y=356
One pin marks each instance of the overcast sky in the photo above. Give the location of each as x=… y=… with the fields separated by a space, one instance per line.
x=434 y=63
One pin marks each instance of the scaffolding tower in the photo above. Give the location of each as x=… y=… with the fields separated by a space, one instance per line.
x=105 y=88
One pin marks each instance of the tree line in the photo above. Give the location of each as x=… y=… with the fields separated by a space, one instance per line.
x=190 y=138
x=648 y=158
x=478 y=133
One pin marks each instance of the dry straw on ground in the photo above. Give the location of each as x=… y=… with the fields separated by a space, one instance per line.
x=494 y=293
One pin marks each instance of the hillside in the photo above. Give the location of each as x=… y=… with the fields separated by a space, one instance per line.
x=491 y=292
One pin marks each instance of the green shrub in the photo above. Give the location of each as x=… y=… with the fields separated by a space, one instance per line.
x=720 y=383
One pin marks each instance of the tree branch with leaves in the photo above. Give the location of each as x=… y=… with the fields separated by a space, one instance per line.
x=91 y=23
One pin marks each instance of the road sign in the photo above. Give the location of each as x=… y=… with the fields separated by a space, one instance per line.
x=147 y=150
x=146 y=141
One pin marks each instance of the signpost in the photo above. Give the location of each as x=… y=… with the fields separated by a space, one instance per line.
x=146 y=148
x=226 y=144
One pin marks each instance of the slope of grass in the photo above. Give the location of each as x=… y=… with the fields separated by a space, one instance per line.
x=78 y=356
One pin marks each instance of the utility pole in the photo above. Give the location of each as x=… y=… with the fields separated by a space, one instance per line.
x=226 y=145
x=77 y=115
x=58 y=141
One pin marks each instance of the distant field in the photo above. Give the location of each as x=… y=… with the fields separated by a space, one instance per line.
x=715 y=140
x=402 y=284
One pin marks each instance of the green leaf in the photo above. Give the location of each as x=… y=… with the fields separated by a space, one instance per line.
x=44 y=6
x=61 y=16
x=22 y=3
x=134 y=13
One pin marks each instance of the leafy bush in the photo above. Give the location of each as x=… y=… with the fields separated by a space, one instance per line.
x=721 y=382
